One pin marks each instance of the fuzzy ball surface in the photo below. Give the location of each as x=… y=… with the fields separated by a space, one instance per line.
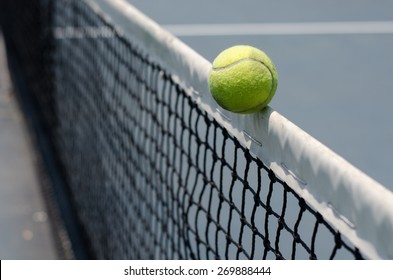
x=243 y=79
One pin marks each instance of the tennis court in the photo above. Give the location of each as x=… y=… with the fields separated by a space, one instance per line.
x=335 y=86
x=153 y=169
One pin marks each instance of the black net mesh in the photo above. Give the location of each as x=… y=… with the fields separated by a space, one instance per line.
x=151 y=175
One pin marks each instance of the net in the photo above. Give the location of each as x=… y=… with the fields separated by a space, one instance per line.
x=155 y=171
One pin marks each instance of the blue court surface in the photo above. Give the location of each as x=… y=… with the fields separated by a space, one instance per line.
x=334 y=60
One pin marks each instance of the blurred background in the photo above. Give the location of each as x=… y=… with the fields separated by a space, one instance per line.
x=335 y=82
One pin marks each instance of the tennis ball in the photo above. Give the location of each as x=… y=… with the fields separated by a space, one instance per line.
x=243 y=79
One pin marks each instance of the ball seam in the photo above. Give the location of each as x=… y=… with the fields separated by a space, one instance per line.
x=238 y=62
x=249 y=59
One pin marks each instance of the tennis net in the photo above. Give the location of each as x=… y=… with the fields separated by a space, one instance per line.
x=155 y=170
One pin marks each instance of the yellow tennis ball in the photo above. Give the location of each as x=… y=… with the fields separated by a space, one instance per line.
x=243 y=79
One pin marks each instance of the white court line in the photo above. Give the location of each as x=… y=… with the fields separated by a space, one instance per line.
x=296 y=28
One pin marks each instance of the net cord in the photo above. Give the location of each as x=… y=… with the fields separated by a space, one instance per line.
x=358 y=206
